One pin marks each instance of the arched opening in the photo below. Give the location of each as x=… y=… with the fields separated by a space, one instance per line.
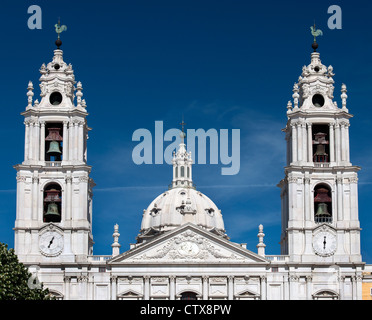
x=188 y=172
x=321 y=143
x=182 y=171
x=52 y=203
x=53 y=141
x=188 y=295
x=325 y=295
x=322 y=204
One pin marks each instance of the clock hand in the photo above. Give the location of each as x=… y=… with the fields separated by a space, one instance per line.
x=324 y=242
x=51 y=241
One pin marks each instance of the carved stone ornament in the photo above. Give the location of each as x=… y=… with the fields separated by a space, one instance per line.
x=188 y=246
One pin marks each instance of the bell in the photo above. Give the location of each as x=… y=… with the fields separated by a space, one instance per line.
x=52 y=214
x=54 y=147
x=322 y=210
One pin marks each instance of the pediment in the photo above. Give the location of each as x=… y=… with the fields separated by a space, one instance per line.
x=189 y=244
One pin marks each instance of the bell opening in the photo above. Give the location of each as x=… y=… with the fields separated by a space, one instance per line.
x=321 y=143
x=53 y=141
x=322 y=204
x=52 y=203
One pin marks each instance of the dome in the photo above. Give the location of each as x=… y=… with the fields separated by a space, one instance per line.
x=181 y=204
x=177 y=207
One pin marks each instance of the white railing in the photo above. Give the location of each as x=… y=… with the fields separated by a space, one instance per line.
x=99 y=258
x=321 y=164
x=277 y=258
x=53 y=163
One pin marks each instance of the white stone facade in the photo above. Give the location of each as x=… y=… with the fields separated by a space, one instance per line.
x=182 y=250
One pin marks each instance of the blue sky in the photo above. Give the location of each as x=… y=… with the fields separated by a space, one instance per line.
x=221 y=64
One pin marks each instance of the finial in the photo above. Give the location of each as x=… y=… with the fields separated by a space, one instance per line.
x=261 y=246
x=59 y=29
x=343 y=96
x=30 y=93
x=315 y=33
x=183 y=134
x=116 y=246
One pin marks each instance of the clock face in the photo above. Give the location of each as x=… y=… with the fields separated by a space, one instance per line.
x=188 y=248
x=324 y=243
x=51 y=243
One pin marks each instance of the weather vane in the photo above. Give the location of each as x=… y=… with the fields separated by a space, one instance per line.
x=316 y=33
x=60 y=28
x=183 y=134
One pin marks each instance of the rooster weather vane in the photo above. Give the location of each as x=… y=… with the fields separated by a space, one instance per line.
x=316 y=33
x=59 y=30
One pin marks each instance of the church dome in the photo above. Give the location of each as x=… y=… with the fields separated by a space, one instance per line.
x=181 y=204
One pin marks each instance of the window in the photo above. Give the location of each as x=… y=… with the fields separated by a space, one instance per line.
x=182 y=171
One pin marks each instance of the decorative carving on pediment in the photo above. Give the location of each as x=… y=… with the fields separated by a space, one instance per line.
x=189 y=246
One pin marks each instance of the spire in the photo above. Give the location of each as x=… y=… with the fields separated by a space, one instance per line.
x=182 y=164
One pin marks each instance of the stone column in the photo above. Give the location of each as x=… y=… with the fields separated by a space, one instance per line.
x=343 y=142
x=76 y=139
x=300 y=143
x=81 y=141
x=67 y=281
x=113 y=280
x=309 y=143
x=68 y=198
x=42 y=141
x=307 y=202
x=172 y=287
x=309 y=280
x=37 y=140
x=35 y=197
x=347 y=142
x=263 y=280
x=331 y=143
x=205 y=287
x=30 y=141
x=337 y=143
x=294 y=142
x=146 y=293
x=230 y=290
x=65 y=156
x=27 y=140
x=340 y=215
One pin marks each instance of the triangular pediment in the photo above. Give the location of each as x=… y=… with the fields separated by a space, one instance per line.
x=189 y=244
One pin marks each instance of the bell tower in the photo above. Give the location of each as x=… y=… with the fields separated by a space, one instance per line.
x=54 y=190
x=320 y=190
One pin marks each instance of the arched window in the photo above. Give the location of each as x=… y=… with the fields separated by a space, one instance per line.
x=188 y=172
x=322 y=204
x=182 y=171
x=52 y=203
x=188 y=295
x=176 y=172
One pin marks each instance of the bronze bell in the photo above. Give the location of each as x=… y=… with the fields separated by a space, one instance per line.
x=322 y=210
x=54 y=147
x=52 y=214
